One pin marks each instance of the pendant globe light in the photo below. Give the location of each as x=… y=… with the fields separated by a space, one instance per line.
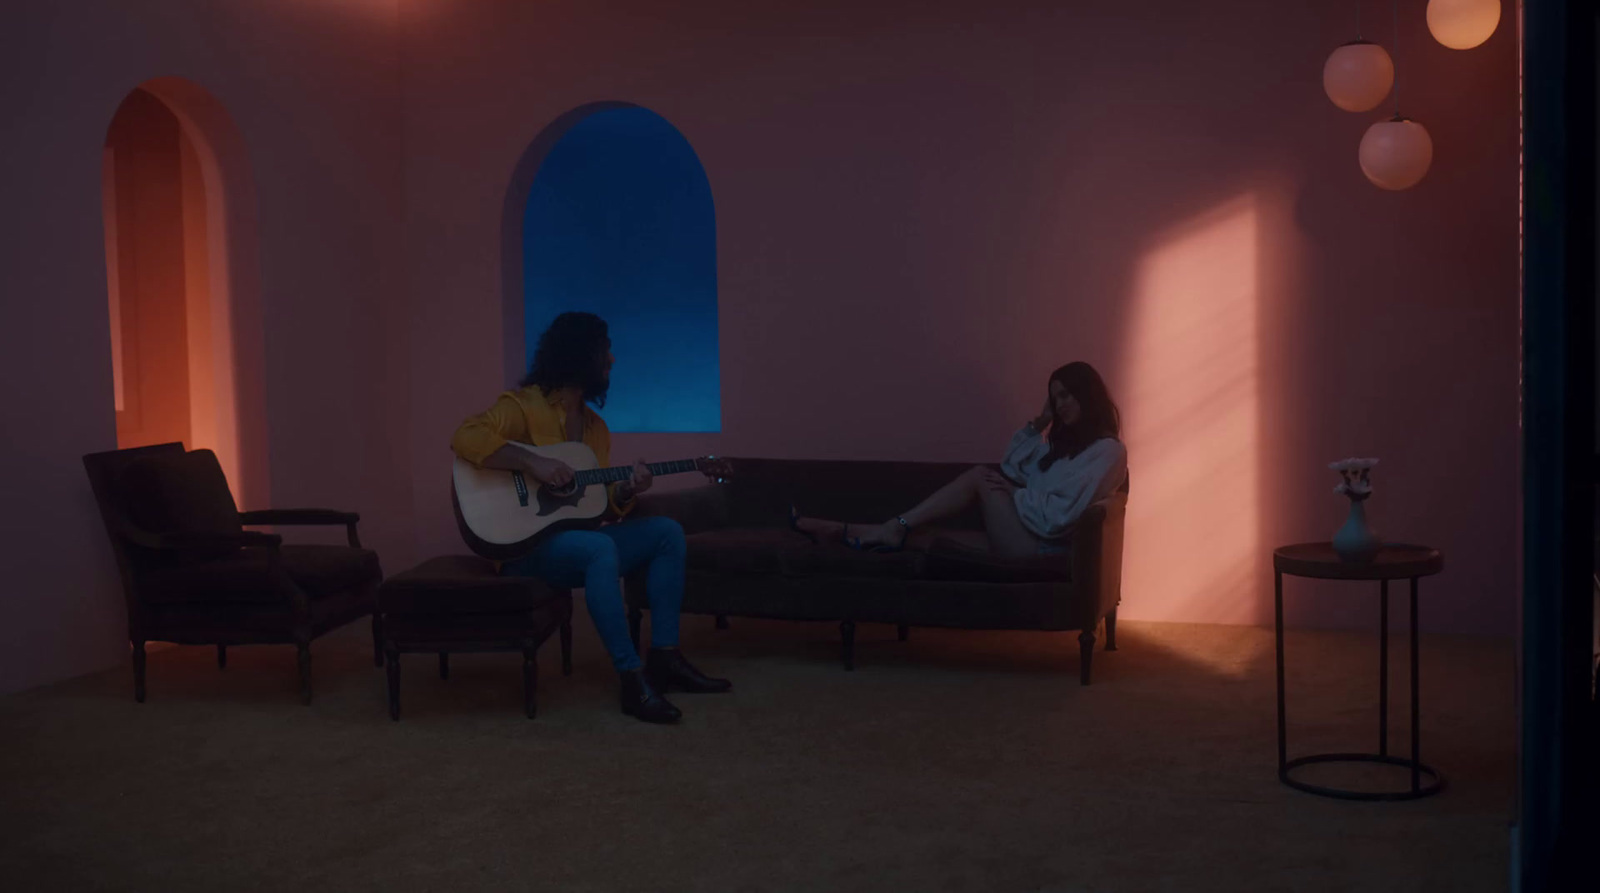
x=1463 y=24
x=1396 y=154
x=1358 y=75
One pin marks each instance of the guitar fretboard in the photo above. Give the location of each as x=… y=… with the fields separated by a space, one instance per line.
x=621 y=473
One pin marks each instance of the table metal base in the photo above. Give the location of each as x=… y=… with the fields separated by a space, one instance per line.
x=1416 y=791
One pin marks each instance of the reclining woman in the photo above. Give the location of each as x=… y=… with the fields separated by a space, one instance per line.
x=1043 y=485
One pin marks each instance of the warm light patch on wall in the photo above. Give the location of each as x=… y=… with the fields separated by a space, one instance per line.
x=1190 y=397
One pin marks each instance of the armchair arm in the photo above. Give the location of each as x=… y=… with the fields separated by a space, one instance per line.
x=305 y=517
x=243 y=539
x=698 y=509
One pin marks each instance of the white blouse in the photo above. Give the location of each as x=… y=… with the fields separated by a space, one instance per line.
x=1050 y=501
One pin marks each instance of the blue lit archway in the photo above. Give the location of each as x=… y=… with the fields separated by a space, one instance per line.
x=618 y=221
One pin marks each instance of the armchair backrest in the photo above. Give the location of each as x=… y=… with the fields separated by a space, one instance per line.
x=143 y=492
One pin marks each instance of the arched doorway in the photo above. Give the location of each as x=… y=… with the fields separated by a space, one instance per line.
x=611 y=212
x=174 y=190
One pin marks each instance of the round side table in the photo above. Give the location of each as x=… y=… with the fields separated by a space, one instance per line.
x=1393 y=562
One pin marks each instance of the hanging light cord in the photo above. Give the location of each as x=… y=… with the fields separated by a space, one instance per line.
x=1397 y=58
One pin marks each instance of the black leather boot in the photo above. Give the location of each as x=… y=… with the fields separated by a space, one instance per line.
x=641 y=700
x=668 y=670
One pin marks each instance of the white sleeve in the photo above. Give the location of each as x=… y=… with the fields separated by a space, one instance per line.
x=1020 y=453
x=1053 y=500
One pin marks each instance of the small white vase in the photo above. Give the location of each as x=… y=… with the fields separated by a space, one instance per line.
x=1355 y=542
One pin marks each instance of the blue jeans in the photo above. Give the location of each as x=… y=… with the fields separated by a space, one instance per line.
x=594 y=560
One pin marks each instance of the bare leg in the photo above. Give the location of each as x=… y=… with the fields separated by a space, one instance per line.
x=946 y=501
x=1008 y=538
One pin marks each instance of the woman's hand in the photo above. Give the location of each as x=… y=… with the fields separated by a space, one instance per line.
x=642 y=478
x=996 y=482
x=1045 y=417
x=553 y=473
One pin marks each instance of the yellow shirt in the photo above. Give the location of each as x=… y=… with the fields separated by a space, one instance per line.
x=532 y=416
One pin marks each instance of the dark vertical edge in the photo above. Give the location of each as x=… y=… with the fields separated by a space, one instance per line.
x=1556 y=785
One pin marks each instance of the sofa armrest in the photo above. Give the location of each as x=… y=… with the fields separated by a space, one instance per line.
x=698 y=509
x=1096 y=554
x=305 y=517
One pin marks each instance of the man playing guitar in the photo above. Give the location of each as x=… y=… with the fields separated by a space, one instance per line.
x=572 y=368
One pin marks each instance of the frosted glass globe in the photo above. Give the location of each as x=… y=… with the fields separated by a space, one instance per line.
x=1463 y=24
x=1358 y=75
x=1395 y=154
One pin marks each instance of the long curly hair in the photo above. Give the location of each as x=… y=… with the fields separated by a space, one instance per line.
x=1098 y=416
x=571 y=353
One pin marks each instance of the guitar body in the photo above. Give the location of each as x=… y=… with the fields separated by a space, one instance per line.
x=504 y=514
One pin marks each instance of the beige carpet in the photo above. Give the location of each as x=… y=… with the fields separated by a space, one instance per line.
x=957 y=761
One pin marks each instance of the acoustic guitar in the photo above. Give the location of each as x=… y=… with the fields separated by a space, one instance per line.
x=504 y=514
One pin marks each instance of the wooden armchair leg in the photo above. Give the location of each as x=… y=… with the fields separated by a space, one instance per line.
x=377 y=639
x=905 y=632
x=847 y=639
x=1111 y=630
x=303 y=656
x=222 y=657
x=635 y=618
x=392 y=656
x=138 y=671
x=530 y=680
x=444 y=665
x=1085 y=654
x=566 y=646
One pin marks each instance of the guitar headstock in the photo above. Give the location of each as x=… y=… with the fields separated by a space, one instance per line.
x=718 y=470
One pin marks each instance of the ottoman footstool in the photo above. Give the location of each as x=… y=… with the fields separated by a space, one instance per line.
x=458 y=603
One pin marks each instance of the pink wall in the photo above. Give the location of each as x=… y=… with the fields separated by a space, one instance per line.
x=313 y=90
x=923 y=208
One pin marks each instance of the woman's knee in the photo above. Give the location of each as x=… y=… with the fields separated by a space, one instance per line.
x=666 y=533
x=598 y=551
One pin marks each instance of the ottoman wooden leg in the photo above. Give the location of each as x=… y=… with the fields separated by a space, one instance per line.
x=444 y=665
x=138 y=671
x=530 y=680
x=847 y=639
x=392 y=656
x=1111 y=630
x=303 y=654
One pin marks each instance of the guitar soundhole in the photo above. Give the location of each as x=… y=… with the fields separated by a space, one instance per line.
x=550 y=502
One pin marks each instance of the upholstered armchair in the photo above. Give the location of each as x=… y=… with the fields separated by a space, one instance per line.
x=192 y=574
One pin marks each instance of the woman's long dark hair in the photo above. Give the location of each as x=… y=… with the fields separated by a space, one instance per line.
x=571 y=353
x=1098 y=416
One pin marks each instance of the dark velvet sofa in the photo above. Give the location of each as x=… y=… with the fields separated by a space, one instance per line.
x=745 y=561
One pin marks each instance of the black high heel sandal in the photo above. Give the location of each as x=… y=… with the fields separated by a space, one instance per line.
x=794 y=524
x=881 y=548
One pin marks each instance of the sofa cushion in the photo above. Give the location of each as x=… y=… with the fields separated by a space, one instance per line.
x=761 y=491
x=767 y=550
x=748 y=550
x=958 y=560
x=319 y=571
